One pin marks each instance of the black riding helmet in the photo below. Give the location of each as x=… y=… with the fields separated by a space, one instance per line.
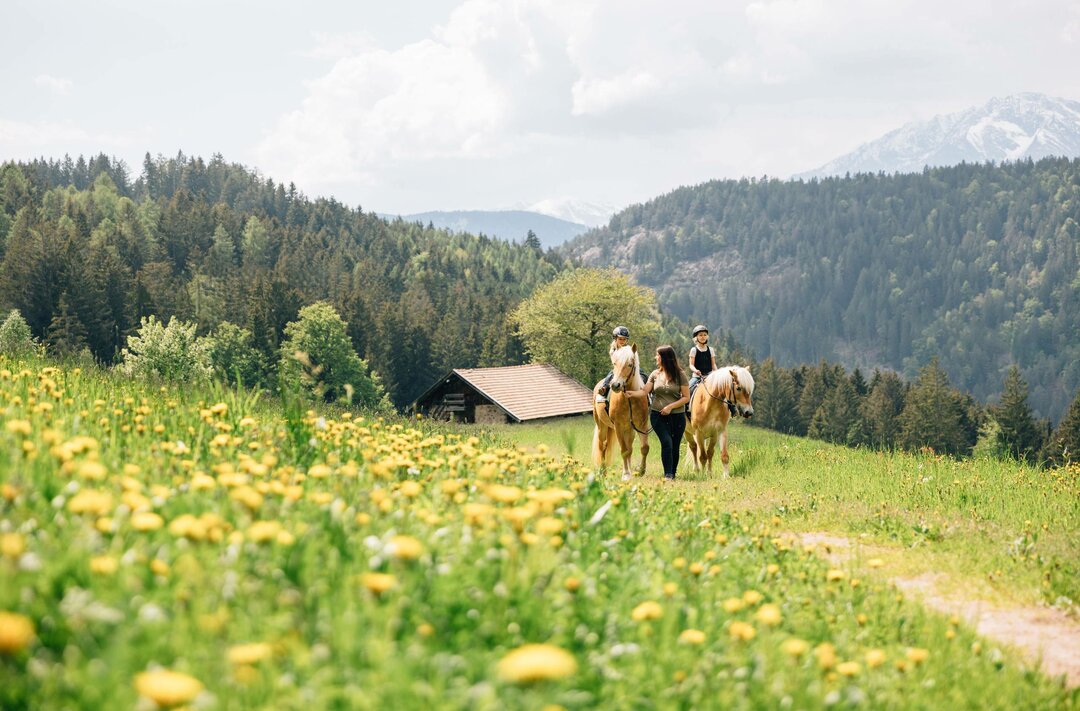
x=621 y=331
x=698 y=329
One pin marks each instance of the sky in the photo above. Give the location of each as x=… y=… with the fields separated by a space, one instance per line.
x=493 y=104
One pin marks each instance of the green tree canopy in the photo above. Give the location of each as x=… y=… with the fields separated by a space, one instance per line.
x=318 y=356
x=568 y=321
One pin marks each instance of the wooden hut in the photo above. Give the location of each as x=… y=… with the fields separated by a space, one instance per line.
x=516 y=393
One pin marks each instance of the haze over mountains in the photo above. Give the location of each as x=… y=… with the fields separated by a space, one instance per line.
x=1026 y=125
x=554 y=221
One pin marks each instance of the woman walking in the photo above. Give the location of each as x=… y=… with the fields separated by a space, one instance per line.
x=670 y=393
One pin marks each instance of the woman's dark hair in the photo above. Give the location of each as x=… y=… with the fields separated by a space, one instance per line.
x=669 y=363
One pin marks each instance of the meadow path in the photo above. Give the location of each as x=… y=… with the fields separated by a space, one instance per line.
x=1042 y=635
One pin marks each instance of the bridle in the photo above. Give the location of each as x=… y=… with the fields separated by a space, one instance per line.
x=731 y=405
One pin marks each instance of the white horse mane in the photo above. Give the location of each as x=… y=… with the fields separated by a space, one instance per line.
x=620 y=359
x=721 y=378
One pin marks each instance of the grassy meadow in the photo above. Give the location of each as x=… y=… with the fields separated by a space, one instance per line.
x=178 y=546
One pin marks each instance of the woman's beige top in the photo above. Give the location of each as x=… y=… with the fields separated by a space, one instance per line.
x=666 y=392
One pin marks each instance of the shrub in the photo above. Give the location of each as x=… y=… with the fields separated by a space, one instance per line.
x=15 y=337
x=169 y=352
x=233 y=357
x=318 y=357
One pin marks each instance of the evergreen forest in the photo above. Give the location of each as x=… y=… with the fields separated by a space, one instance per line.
x=88 y=250
x=978 y=265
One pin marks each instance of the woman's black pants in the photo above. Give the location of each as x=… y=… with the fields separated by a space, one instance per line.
x=669 y=430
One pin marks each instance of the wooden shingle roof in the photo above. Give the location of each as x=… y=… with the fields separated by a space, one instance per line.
x=530 y=392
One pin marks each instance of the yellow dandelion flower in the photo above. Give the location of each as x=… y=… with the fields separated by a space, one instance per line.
x=103 y=565
x=263 y=531
x=411 y=489
x=917 y=655
x=834 y=574
x=405 y=548
x=795 y=647
x=875 y=562
x=21 y=427
x=742 y=630
x=12 y=545
x=572 y=584
x=16 y=631
x=146 y=521
x=378 y=583
x=692 y=636
x=769 y=615
x=503 y=494
x=167 y=688
x=536 y=662
x=733 y=605
x=549 y=526
x=91 y=501
x=319 y=471
x=848 y=669
x=752 y=597
x=251 y=653
x=826 y=655
x=875 y=658
x=670 y=589
x=648 y=610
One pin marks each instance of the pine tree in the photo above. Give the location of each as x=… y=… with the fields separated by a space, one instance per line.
x=934 y=415
x=881 y=409
x=774 y=398
x=814 y=392
x=1064 y=445
x=837 y=420
x=66 y=334
x=1017 y=432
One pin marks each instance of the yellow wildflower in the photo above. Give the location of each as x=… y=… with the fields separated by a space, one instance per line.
x=848 y=669
x=648 y=610
x=378 y=583
x=742 y=631
x=147 y=521
x=536 y=662
x=16 y=631
x=167 y=688
x=405 y=548
x=12 y=545
x=768 y=615
x=795 y=647
x=252 y=653
x=692 y=636
x=875 y=658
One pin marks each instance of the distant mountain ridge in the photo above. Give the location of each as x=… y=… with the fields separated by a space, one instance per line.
x=975 y=264
x=584 y=212
x=1027 y=125
x=510 y=225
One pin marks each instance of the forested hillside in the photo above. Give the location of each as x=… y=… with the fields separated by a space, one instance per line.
x=87 y=251
x=977 y=264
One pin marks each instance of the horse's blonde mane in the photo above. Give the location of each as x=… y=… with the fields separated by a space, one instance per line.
x=720 y=378
x=620 y=358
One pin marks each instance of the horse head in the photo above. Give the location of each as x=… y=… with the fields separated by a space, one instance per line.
x=742 y=390
x=624 y=363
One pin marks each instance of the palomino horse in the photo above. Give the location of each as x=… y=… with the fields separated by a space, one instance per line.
x=625 y=414
x=727 y=391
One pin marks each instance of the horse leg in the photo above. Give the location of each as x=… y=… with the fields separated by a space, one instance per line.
x=723 y=453
x=644 y=438
x=691 y=446
x=710 y=451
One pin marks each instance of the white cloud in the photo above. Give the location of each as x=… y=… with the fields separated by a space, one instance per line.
x=56 y=85
x=735 y=88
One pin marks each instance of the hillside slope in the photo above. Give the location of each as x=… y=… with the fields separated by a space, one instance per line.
x=975 y=263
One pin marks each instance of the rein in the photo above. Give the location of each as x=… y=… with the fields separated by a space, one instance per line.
x=730 y=404
x=630 y=404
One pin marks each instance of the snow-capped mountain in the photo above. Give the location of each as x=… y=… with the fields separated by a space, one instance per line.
x=1020 y=126
x=593 y=214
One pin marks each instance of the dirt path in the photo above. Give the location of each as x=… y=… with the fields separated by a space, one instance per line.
x=1042 y=635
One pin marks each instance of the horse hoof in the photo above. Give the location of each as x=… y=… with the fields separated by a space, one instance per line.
x=626 y=477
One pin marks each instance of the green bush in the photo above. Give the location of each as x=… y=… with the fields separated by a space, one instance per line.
x=318 y=357
x=169 y=352
x=233 y=357
x=15 y=337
